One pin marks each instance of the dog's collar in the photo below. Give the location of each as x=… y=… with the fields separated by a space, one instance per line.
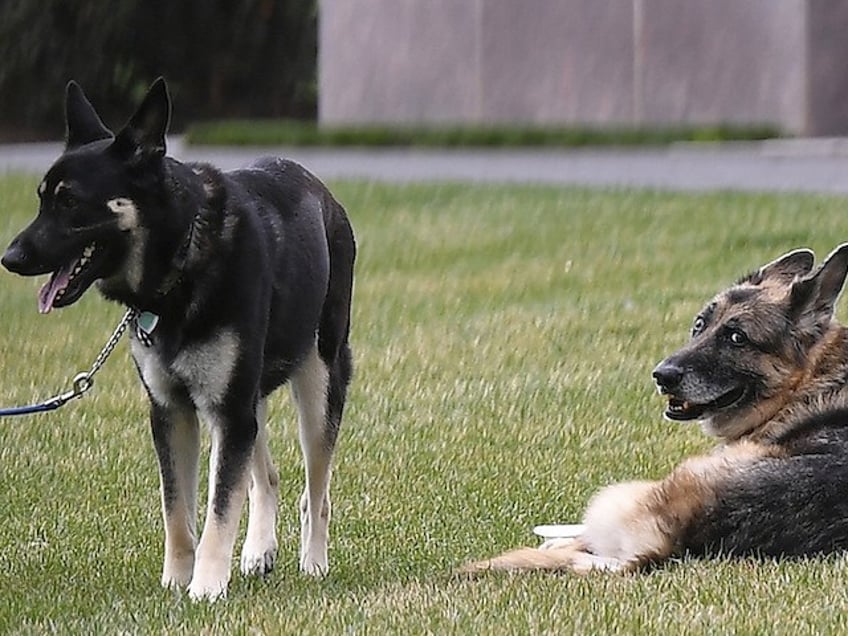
x=144 y=322
x=178 y=263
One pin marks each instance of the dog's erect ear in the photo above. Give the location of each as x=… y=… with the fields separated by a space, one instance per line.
x=144 y=135
x=785 y=269
x=813 y=298
x=82 y=123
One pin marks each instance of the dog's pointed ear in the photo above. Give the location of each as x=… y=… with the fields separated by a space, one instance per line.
x=144 y=135
x=813 y=298
x=82 y=123
x=785 y=269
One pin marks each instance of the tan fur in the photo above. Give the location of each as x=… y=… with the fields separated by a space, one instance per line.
x=634 y=524
x=814 y=382
x=572 y=556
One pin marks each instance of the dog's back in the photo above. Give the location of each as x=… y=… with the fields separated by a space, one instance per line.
x=792 y=505
x=305 y=253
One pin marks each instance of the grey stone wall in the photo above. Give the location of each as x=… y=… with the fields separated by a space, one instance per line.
x=618 y=62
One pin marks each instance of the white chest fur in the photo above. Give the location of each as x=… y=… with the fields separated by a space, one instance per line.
x=203 y=369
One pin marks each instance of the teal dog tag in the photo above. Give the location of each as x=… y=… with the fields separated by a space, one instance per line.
x=145 y=323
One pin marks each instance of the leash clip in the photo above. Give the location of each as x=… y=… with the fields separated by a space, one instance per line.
x=82 y=383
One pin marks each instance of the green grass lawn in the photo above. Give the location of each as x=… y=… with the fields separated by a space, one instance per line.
x=504 y=338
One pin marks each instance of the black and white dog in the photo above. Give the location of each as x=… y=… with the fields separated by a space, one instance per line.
x=243 y=282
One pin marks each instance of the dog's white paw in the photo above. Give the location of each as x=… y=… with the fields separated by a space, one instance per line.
x=258 y=562
x=314 y=539
x=314 y=562
x=175 y=581
x=210 y=591
x=176 y=573
x=210 y=581
x=583 y=563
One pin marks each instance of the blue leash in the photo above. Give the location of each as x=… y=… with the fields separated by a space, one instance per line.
x=82 y=382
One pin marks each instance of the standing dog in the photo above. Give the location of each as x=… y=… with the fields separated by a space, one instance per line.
x=765 y=371
x=242 y=281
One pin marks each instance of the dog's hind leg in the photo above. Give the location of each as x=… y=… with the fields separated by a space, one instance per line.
x=177 y=441
x=260 y=546
x=309 y=385
x=319 y=387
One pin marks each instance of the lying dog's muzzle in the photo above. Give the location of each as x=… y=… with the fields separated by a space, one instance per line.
x=667 y=376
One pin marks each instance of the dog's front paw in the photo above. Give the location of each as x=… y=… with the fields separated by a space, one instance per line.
x=583 y=563
x=177 y=572
x=175 y=580
x=207 y=591
x=258 y=562
x=314 y=562
x=557 y=544
x=210 y=582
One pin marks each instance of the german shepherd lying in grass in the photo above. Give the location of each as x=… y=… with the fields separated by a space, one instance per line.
x=242 y=282
x=765 y=371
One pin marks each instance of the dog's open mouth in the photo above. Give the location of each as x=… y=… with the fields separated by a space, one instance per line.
x=683 y=410
x=68 y=282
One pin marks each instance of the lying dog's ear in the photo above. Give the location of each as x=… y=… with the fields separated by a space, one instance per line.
x=82 y=123
x=784 y=269
x=813 y=298
x=144 y=135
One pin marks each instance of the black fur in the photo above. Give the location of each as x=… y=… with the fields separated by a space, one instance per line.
x=784 y=507
x=264 y=255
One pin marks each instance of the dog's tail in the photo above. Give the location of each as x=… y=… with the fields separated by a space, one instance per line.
x=523 y=560
x=558 y=555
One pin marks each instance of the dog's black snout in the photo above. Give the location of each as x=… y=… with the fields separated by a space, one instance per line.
x=18 y=258
x=14 y=258
x=667 y=376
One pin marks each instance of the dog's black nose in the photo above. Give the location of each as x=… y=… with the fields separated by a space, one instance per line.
x=667 y=376
x=14 y=258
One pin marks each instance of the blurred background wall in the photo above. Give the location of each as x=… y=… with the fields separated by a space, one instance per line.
x=782 y=63
x=599 y=62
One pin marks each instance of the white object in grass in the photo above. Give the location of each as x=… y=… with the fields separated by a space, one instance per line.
x=566 y=531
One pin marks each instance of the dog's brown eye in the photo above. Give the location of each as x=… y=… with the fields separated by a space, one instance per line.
x=698 y=326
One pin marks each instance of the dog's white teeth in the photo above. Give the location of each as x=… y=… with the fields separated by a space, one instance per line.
x=678 y=405
x=87 y=253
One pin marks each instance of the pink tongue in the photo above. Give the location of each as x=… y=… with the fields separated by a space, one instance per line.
x=58 y=281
